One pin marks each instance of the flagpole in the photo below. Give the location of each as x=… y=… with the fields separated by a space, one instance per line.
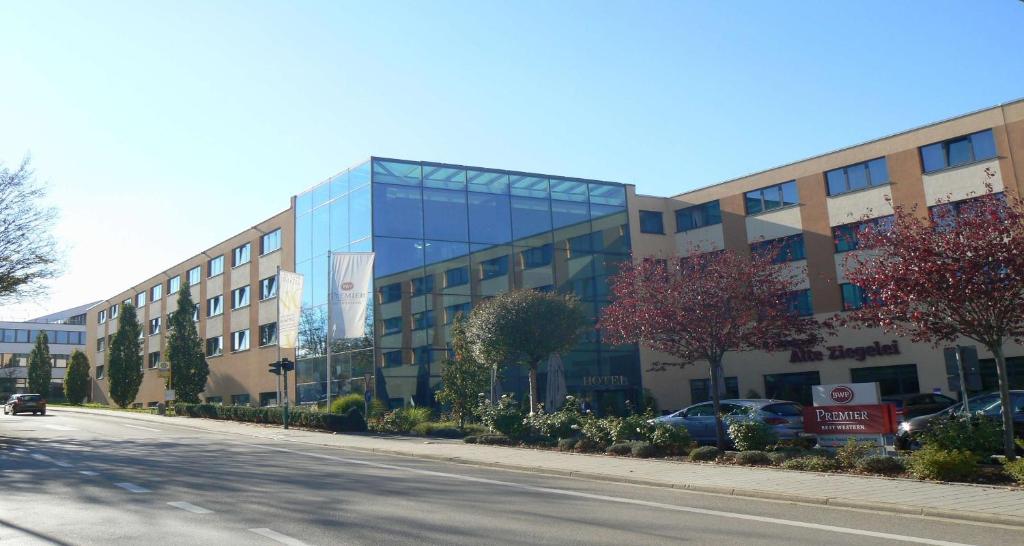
x=330 y=293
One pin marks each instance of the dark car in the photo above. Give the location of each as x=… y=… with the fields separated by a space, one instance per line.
x=784 y=417
x=909 y=406
x=984 y=404
x=24 y=403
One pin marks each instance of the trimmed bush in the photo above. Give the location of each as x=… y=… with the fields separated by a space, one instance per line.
x=1015 y=469
x=567 y=444
x=851 y=453
x=494 y=440
x=977 y=434
x=472 y=439
x=813 y=463
x=443 y=429
x=401 y=421
x=881 y=464
x=934 y=463
x=342 y=404
x=586 y=445
x=642 y=450
x=751 y=435
x=752 y=458
x=706 y=453
x=350 y=422
x=780 y=456
x=619 y=449
x=505 y=416
x=670 y=440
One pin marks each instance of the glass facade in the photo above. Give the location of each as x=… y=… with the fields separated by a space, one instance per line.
x=446 y=237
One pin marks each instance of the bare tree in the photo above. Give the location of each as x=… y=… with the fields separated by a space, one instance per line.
x=28 y=251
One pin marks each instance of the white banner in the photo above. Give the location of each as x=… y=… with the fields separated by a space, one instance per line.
x=852 y=394
x=289 y=308
x=351 y=278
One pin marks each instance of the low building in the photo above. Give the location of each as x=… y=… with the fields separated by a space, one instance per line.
x=65 y=332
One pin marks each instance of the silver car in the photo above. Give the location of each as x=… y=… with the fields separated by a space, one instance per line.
x=784 y=417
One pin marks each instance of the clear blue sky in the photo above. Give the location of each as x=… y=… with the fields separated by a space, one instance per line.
x=165 y=127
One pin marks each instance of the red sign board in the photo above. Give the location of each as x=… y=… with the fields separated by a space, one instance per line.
x=864 y=419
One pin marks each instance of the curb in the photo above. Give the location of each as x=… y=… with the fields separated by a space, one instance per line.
x=836 y=502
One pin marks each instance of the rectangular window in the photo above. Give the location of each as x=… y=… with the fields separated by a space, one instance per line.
x=154 y=359
x=701 y=392
x=194 y=275
x=218 y=400
x=268 y=288
x=422 y=285
x=790 y=249
x=21 y=336
x=195 y=313
x=154 y=326
x=892 y=380
x=114 y=310
x=945 y=215
x=61 y=337
x=853 y=296
x=537 y=257
x=391 y=292
x=422 y=320
x=240 y=297
x=100 y=372
x=795 y=387
x=174 y=285
x=392 y=358
x=456 y=277
x=102 y=316
x=857 y=177
x=140 y=300
x=240 y=340
x=698 y=216
x=270 y=242
x=392 y=325
x=772 y=197
x=651 y=222
x=495 y=267
x=239 y=399
x=958 y=151
x=453 y=311
x=800 y=303
x=215 y=346
x=268 y=334
x=101 y=345
x=156 y=293
x=215 y=306
x=240 y=256
x=215 y=266
x=268 y=399
x=847 y=237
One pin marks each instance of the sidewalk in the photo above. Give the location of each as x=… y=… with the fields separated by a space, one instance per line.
x=988 y=504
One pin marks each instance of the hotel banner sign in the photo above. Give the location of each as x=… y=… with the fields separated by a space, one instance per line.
x=351 y=278
x=289 y=308
x=850 y=420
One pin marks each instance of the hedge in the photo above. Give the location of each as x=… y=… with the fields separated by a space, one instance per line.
x=352 y=421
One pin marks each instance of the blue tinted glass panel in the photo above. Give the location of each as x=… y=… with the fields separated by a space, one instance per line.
x=445 y=215
x=339 y=185
x=606 y=194
x=397 y=255
x=321 y=194
x=753 y=200
x=857 y=176
x=529 y=186
x=790 y=195
x=568 y=190
x=359 y=176
x=772 y=197
x=600 y=211
x=836 y=181
x=933 y=157
x=489 y=218
x=303 y=238
x=359 y=213
x=457 y=276
x=530 y=216
x=878 y=170
x=396 y=172
x=651 y=222
x=318 y=278
x=397 y=211
x=304 y=203
x=984 y=145
x=568 y=213
x=536 y=257
x=321 y=230
x=959 y=151
x=339 y=223
x=305 y=269
x=495 y=267
x=487 y=181
x=364 y=245
x=443 y=251
x=437 y=176
x=853 y=296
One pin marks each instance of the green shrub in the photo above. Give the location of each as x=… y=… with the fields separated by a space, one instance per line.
x=1015 y=469
x=401 y=421
x=642 y=450
x=850 y=454
x=350 y=422
x=586 y=445
x=779 y=457
x=706 y=453
x=472 y=439
x=342 y=404
x=752 y=458
x=821 y=452
x=814 y=463
x=558 y=425
x=474 y=429
x=975 y=433
x=619 y=449
x=934 y=463
x=505 y=416
x=494 y=440
x=567 y=444
x=751 y=435
x=443 y=429
x=536 y=440
x=670 y=440
x=881 y=464
x=377 y=408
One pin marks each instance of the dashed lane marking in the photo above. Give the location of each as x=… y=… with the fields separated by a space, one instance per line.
x=189 y=507
x=59 y=427
x=277 y=537
x=141 y=428
x=89 y=472
x=132 y=487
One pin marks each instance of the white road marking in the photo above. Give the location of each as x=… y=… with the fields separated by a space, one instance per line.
x=132 y=487
x=141 y=428
x=278 y=537
x=89 y=472
x=623 y=500
x=20 y=449
x=189 y=507
x=47 y=459
x=59 y=427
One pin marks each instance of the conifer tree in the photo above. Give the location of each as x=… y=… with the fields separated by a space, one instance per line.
x=40 y=366
x=189 y=368
x=76 y=380
x=124 y=372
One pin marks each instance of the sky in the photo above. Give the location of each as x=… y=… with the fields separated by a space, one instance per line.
x=163 y=128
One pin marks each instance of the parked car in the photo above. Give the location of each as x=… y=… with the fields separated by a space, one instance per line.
x=24 y=403
x=784 y=417
x=983 y=404
x=909 y=406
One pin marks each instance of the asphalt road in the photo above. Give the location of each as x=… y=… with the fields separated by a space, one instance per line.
x=72 y=478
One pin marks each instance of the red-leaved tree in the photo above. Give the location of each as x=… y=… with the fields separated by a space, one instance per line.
x=959 y=273
x=705 y=305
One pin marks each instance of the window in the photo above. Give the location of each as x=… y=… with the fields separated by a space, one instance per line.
x=101 y=345
x=392 y=358
x=240 y=297
x=422 y=285
x=701 y=392
x=857 y=177
x=140 y=300
x=392 y=325
x=195 y=313
x=772 y=197
x=174 y=285
x=239 y=399
x=268 y=334
x=61 y=337
x=102 y=316
x=494 y=267
x=799 y=303
x=945 y=215
x=193 y=276
x=892 y=380
x=114 y=310
x=452 y=311
x=154 y=326
x=154 y=360
x=268 y=288
x=215 y=306
x=790 y=249
x=240 y=340
x=853 y=296
x=215 y=400
x=456 y=277
x=651 y=222
x=422 y=320
x=537 y=257
x=215 y=266
x=270 y=242
x=156 y=293
x=215 y=346
x=240 y=256
x=268 y=399
x=795 y=387
x=958 y=151
x=100 y=372
x=847 y=237
x=698 y=216
x=391 y=292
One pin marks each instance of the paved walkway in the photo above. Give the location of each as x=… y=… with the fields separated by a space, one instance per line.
x=957 y=501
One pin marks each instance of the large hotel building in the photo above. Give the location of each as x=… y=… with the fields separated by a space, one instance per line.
x=446 y=236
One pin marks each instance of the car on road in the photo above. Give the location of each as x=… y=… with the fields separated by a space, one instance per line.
x=987 y=405
x=909 y=406
x=784 y=417
x=24 y=403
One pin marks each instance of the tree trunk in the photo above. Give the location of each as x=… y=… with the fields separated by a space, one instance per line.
x=716 y=401
x=1005 y=402
x=533 y=387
